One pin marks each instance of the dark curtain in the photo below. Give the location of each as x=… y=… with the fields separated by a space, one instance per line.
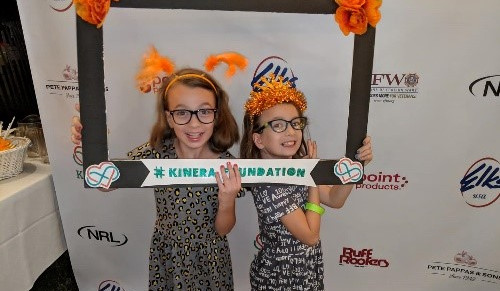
x=17 y=94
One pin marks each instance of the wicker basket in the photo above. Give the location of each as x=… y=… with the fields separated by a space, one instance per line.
x=11 y=161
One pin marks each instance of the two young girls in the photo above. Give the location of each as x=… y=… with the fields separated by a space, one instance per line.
x=289 y=216
x=189 y=249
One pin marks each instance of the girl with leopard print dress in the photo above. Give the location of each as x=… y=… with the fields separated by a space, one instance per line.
x=189 y=249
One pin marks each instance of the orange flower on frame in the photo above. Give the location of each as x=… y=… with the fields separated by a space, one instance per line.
x=351 y=3
x=93 y=11
x=351 y=20
x=372 y=13
x=355 y=15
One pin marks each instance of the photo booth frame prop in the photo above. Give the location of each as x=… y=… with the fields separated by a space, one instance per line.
x=132 y=173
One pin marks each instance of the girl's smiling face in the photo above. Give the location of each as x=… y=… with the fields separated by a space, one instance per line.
x=194 y=135
x=273 y=145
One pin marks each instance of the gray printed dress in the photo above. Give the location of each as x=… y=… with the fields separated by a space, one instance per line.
x=186 y=252
x=284 y=263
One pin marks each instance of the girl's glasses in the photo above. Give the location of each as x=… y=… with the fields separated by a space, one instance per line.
x=183 y=116
x=280 y=125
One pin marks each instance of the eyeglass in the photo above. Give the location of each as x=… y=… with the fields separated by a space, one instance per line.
x=183 y=116
x=280 y=125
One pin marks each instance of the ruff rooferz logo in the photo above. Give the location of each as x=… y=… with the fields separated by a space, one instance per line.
x=388 y=88
x=480 y=185
x=109 y=285
x=361 y=258
x=60 y=5
x=383 y=181
x=92 y=233
x=488 y=86
x=465 y=268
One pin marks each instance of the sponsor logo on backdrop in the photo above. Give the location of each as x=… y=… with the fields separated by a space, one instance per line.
x=273 y=65
x=109 y=285
x=383 y=181
x=60 y=5
x=361 y=258
x=66 y=85
x=394 y=87
x=488 y=86
x=257 y=243
x=154 y=86
x=464 y=267
x=92 y=233
x=480 y=185
x=77 y=157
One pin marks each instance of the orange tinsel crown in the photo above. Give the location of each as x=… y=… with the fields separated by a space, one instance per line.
x=271 y=91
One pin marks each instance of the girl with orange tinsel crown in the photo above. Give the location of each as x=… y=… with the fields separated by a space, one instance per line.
x=289 y=215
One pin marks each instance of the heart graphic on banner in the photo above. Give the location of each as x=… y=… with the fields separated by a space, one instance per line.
x=348 y=171
x=101 y=175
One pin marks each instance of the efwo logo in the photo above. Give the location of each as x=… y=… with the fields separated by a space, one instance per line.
x=480 y=186
x=109 y=285
x=273 y=65
x=389 y=87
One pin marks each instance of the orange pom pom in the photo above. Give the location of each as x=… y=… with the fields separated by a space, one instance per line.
x=153 y=65
x=232 y=59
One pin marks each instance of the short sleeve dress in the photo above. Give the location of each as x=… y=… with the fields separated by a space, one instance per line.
x=284 y=263
x=186 y=252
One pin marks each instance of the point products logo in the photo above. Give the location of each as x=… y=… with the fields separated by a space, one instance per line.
x=480 y=185
x=465 y=268
x=388 y=88
x=488 y=86
x=60 y=5
x=383 y=181
x=109 y=285
x=361 y=258
x=90 y=232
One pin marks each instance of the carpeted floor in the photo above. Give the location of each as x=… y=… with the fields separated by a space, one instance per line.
x=58 y=277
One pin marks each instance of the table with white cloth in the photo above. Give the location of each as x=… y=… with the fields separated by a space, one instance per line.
x=31 y=235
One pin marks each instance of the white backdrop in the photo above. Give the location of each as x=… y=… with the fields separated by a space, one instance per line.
x=429 y=131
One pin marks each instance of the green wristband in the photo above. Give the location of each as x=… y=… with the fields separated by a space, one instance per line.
x=315 y=208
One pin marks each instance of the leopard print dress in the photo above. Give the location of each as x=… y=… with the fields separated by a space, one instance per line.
x=186 y=252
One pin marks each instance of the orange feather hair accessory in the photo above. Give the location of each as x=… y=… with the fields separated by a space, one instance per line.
x=153 y=64
x=232 y=59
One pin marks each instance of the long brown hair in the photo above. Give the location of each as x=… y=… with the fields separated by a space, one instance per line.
x=248 y=149
x=225 y=133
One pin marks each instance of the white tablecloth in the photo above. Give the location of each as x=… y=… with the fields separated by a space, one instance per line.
x=31 y=236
